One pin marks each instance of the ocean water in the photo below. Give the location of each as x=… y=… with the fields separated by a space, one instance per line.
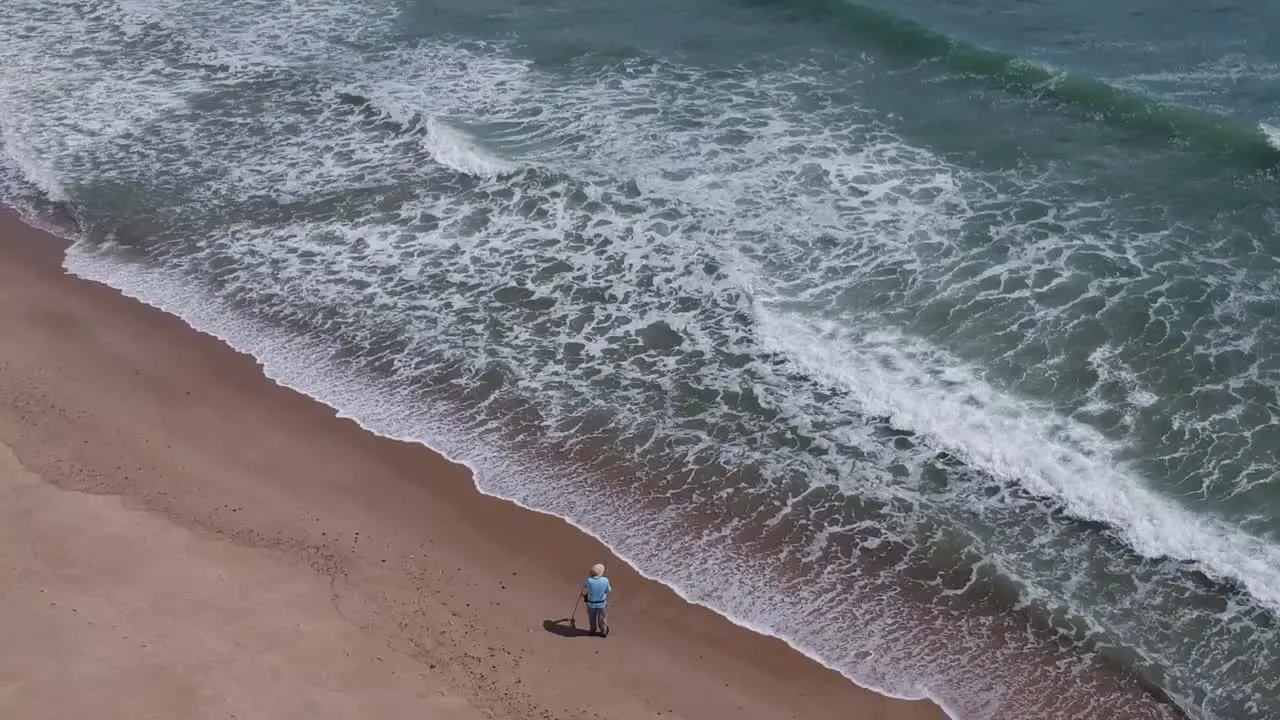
x=941 y=340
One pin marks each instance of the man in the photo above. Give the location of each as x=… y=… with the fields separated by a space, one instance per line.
x=595 y=593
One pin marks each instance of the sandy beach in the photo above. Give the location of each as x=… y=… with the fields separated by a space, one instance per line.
x=180 y=537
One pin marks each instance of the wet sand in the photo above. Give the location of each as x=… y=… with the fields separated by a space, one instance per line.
x=181 y=537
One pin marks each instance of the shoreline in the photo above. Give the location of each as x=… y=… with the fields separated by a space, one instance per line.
x=688 y=657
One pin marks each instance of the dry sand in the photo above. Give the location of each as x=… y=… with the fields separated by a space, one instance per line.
x=181 y=538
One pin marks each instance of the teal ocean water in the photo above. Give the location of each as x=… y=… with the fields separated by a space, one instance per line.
x=941 y=340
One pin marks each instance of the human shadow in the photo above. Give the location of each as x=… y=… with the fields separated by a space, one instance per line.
x=564 y=628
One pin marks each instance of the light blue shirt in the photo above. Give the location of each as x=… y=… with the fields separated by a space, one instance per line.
x=597 y=592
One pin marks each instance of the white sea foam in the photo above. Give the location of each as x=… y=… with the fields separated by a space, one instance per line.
x=453 y=149
x=1272 y=133
x=25 y=166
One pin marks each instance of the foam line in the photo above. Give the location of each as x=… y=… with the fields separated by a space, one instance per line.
x=921 y=390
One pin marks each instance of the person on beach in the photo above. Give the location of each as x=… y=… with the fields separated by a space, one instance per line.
x=595 y=593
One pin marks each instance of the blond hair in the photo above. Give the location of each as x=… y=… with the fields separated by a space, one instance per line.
x=597 y=570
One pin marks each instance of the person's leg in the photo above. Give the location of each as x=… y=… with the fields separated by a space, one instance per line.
x=593 y=616
x=603 y=619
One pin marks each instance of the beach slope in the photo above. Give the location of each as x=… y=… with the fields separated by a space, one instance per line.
x=180 y=537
